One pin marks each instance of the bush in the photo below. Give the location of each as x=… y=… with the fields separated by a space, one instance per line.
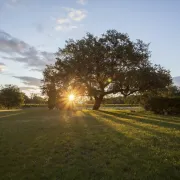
x=161 y=105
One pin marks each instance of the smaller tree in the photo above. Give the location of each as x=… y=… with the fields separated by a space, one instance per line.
x=35 y=99
x=27 y=100
x=171 y=91
x=10 y=96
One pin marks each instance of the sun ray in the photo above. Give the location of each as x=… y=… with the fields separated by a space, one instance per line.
x=71 y=97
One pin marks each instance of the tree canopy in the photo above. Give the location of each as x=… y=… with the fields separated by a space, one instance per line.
x=98 y=66
x=10 y=96
x=33 y=99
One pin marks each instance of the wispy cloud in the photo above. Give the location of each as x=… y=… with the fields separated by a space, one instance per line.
x=65 y=27
x=2 y=67
x=72 y=16
x=36 y=69
x=82 y=2
x=63 y=20
x=27 y=88
x=30 y=81
x=2 y=64
x=18 y=50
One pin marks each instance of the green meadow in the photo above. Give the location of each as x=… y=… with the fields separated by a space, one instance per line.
x=98 y=145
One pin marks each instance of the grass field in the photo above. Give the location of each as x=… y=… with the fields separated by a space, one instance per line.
x=113 y=105
x=102 y=145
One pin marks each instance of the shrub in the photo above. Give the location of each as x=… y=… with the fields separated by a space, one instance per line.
x=161 y=105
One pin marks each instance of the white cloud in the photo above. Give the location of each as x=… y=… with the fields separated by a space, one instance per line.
x=73 y=15
x=2 y=67
x=63 y=20
x=65 y=27
x=76 y=14
x=82 y=2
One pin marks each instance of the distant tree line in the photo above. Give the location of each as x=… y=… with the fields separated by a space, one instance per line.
x=12 y=97
x=132 y=99
x=168 y=92
x=34 y=99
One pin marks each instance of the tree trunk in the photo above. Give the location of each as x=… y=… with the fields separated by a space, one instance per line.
x=97 y=102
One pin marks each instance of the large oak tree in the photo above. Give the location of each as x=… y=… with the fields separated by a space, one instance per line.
x=99 y=66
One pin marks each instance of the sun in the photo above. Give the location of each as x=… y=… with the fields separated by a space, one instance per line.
x=71 y=97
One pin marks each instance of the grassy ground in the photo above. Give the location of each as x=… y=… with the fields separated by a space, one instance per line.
x=41 y=144
x=113 y=105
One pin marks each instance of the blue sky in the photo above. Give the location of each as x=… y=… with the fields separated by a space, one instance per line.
x=32 y=30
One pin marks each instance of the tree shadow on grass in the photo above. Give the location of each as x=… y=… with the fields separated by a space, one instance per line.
x=6 y=114
x=145 y=120
x=87 y=145
x=90 y=150
x=170 y=119
x=27 y=143
x=155 y=133
x=97 y=150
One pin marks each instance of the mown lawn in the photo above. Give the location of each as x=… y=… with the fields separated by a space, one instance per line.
x=103 y=145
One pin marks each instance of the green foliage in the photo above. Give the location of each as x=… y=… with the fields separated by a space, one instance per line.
x=113 y=100
x=26 y=98
x=162 y=105
x=132 y=99
x=34 y=99
x=98 y=66
x=10 y=96
x=49 y=87
x=170 y=91
x=37 y=144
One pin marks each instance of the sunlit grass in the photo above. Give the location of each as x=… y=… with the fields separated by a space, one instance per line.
x=42 y=144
